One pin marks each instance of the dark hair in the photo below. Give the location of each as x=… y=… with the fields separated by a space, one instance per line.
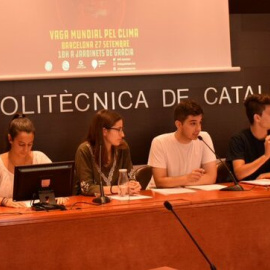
x=20 y=123
x=186 y=108
x=255 y=104
x=102 y=119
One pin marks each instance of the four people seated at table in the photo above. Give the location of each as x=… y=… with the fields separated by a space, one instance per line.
x=177 y=159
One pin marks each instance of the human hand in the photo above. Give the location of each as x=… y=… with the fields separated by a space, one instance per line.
x=264 y=176
x=195 y=175
x=134 y=187
x=8 y=202
x=267 y=146
x=62 y=200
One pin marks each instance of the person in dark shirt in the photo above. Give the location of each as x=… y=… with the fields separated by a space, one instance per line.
x=249 y=150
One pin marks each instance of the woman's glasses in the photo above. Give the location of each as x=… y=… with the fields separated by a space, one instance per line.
x=120 y=129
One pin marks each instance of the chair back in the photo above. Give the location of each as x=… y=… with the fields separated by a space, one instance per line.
x=223 y=175
x=143 y=175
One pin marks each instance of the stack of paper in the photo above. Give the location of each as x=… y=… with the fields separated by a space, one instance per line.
x=259 y=182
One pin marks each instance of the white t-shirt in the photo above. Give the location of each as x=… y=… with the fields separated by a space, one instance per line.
x=7 y=178
x=180 y=159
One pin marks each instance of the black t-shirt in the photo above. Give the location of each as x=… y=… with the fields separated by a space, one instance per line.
x=245 y=146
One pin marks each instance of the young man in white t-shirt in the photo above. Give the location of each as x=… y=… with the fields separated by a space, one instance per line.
x=180 y=158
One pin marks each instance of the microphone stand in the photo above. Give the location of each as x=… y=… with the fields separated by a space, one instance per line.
x=102 y=199
x=169 y=207
x=236 y=186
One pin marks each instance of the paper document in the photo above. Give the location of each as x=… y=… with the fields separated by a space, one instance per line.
x=129 y=198
x=259 y=182
x=27 y=203
x=208 y=187
x=168 y=191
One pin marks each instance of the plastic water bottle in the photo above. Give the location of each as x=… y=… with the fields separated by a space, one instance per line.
x=123 y=183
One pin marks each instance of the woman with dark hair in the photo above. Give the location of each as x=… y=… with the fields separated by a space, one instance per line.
x=21 y=135
x=105 y=146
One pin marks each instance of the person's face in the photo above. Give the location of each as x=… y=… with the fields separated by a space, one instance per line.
x=22 y=144
x=264 y=119
x=114 y=135
x=190 y=128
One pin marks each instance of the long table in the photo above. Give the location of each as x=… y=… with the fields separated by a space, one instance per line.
x=233 y=229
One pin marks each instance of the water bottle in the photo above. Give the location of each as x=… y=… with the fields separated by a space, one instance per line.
x=123 y=183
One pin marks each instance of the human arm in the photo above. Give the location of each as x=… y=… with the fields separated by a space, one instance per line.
x=8 y=202
x=134 y=187
x=243 y=170
x=84 y=171
x=240 y=150
x=201 y=176
x=6 y=188
x=264 y=176
x=124 y=162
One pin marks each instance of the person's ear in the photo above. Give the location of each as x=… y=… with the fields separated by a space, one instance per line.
x=10 y=139
x=256 y=117
x=104 y=131
x=178 y=124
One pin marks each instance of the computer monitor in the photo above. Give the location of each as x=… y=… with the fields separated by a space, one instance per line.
x=37 y=181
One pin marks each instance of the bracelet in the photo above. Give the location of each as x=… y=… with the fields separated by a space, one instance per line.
x=112 y=190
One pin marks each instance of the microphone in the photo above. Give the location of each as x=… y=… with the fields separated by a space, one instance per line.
x=169 y=207
x=236 y=186
x=102 y=199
